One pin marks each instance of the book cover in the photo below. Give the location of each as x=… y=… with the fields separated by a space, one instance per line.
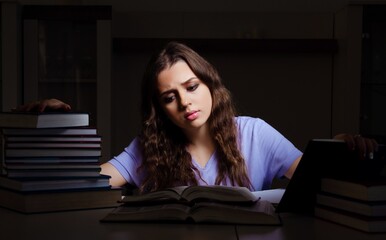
x=57 y=132
x=259 y=213
x=53 y=173
x=52 y=152
x=365 y=208
x=366 y=190
x=51 y=145
x=54 y=166
x=52 y=201
x=54 y=139
x=54 y=183
x=43 y=120
x=38 y=170
x=356 y=221
x=51 y=160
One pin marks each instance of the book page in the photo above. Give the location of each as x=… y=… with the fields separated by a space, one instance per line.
x=157 y=196
x=219 y=193
x=271 y=195
x=196 y=193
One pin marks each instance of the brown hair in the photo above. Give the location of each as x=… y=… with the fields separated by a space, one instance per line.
x=166 y=160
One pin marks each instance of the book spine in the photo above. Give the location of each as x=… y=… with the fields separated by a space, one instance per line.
x=50 y=160
x=49 y=132
x=2 y=155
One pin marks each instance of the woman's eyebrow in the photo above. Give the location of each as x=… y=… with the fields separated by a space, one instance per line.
x=183 y=83
x=166 y=92
x=189 y=80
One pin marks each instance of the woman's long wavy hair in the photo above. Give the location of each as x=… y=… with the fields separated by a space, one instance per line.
x=166 y=161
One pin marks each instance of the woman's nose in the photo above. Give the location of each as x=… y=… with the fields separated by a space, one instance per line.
x=184 y=101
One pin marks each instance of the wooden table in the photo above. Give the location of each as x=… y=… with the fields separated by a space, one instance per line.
x=84 y=224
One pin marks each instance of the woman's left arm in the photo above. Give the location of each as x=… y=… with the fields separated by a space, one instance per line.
x=52 y=104
x=292 y=169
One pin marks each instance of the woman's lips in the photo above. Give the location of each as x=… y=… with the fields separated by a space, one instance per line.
x=191 y=115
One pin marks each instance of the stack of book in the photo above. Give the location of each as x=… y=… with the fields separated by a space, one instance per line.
x=359 y=204
x=50 y=162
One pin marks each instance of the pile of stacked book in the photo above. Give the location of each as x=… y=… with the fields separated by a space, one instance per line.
x=50 y=162
x=359 y=204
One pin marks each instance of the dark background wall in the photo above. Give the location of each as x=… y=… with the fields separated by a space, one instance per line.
x=289 y=82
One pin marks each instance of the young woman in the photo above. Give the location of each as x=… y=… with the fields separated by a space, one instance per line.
x=191 y=135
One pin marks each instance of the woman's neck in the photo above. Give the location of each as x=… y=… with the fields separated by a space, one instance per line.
x=201 y=146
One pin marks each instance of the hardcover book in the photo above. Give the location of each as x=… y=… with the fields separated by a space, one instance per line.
x=259 y=213
x=200 y=204
x=58 y=132
x=365 y=208
x=43 y=120
x=50 y=169
x=51 y=160
x=21 y=145
x=190 y=194
x=54 y=139
x=366 y=190
x=52 y=152
x=356 y=221
x=57 y=183
x=50 y=201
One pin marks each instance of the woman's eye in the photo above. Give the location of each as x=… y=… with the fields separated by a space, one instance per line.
x=168 y=99
x=192 y=88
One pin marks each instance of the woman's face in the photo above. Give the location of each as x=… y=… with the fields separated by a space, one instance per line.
x=186 y=100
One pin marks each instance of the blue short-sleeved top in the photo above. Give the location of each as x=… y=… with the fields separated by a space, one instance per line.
x=267 y=154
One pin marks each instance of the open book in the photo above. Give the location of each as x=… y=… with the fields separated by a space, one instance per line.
x=259 y=213
x=190 y=194
x=203 y=204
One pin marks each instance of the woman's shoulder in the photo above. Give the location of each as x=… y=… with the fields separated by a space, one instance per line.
x=135 y=146
x=245 y=121
x=253 y=125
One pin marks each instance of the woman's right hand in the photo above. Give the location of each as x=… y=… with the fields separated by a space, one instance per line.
x=44 y=105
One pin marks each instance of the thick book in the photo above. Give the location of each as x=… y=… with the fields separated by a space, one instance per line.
x=52 y=152
x=365 y=208
x=49 y=132
x=53 y=139
x=356 y=221
x=54 y=166
x=51 y=160
x=366 y=190
x=53 y=173
x=52 y=201
x=18 y=145
x=15 y=170
x=194 y=194
x=259 y=213
x=43 y=120
x=57 y=183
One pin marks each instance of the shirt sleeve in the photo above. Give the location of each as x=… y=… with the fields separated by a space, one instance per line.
x=268 y=154
x=128 y=162
x=281 y=153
